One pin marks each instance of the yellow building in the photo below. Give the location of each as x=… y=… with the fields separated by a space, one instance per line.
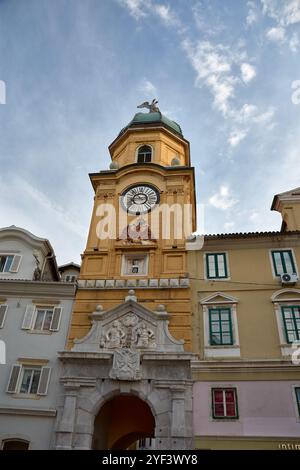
x=246 y=311
x=127 y=370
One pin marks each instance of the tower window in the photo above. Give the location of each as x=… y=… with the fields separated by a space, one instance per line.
x=135 y=265
x=144 y=154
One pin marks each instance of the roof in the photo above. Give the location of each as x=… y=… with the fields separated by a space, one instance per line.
x=251 y=235
x=151 y=118
x=34 y=241
x=288 y=196
x=71 y=265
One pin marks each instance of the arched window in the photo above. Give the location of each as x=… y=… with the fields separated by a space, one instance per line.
x=15 y=444
x=144 y=154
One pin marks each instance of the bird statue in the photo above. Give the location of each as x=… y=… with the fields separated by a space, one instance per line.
x=151 y=106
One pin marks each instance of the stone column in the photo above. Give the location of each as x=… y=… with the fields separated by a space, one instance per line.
x=178 y=428
x=65 y=427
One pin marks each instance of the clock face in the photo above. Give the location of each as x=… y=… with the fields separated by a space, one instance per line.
x=140 y=198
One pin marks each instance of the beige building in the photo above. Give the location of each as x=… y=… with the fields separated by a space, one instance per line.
x=246 y=317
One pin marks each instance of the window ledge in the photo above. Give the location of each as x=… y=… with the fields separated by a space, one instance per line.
x=222 y=351
x=39 y=332
x=26 y=396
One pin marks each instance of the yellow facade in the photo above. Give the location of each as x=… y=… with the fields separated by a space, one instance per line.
x=259 y=361
x=166 y=254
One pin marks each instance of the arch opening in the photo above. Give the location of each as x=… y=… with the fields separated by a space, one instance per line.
x=122 y=422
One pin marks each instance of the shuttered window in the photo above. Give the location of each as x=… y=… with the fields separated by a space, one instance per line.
x=291 y=321
x=9 y=263
x=44 y=381
x=29 y=380
x=216 y=266
x=14 y=378
x=283 y=262
x=3 y=310
x=42 y=318
x=28 y=317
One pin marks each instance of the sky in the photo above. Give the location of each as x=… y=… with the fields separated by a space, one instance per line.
x=72 y=73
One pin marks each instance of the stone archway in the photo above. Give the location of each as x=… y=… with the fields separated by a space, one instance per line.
x=121 y=421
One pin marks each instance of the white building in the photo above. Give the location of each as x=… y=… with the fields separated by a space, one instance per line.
x=35 y=309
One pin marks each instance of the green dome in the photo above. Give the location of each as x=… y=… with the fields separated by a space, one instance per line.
x=148 y=118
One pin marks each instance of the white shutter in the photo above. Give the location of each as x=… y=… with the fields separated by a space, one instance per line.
x=14 y=378
x=44 y=381
x=15 y=264
x=28 y=317
x=3 y=310
x=55 y=322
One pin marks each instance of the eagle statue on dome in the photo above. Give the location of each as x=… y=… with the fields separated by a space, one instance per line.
x=151 y=106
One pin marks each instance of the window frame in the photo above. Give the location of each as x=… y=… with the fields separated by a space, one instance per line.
x=133 y=256
x=226 y=264
x=14 y=386
x=137 y=154
x=297 y=331
x=223 y=390
x=292 y=258
x=45 y=310
x=7 y=255
x=33 y=369
x=218 y=310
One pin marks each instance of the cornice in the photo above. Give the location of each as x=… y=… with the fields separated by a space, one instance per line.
x=242 y=366
x=31 y=289
x=14 y=410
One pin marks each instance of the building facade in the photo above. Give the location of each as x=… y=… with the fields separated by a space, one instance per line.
x=35 y=310
x=127 y=369
x=246 y=305
x=174 y=341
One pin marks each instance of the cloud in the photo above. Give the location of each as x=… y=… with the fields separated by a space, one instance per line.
x=139 y=9
x=228 y=226
x=236 y=136
x=276 y=34
x=136 y=8
x=252 y=16
x=207 y=19
x=212 y=64
x=222 y=199
x=285 y=13
x=248 y=72
x=147 y=87
x=165 y=13
x=294 y=42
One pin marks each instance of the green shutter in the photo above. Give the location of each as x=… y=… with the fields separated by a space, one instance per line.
x=283 y=262
x=217 y=266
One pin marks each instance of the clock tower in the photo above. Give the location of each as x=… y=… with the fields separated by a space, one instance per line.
x=144 y=208
x=126 y=373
